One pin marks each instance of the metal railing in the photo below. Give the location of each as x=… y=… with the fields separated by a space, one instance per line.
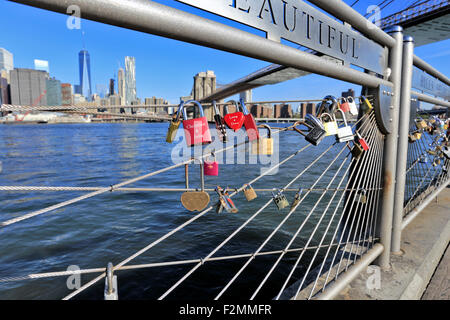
x=418 y=10
x=354 y=217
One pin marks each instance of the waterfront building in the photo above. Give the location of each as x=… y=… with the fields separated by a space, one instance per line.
x=6 y=60
x=130 y=80
x=4 y=91
x=66 y=94
x=78 y=99
x=156 y=101
x=111 y=87
x=54 y=94
x=121 y=85
x=349 y=93
x=306 y=108
x=28 y=87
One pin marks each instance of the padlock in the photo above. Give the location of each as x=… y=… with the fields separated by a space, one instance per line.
x=412 y=138
x=249 y=123
x=196 y=130
x=330 y=126
x=362 y=142
x=436 y=162
x=225 y=201
x=316 y=132
x=211 y=168
x=363 y=196
x=297 y=199
x=329 y=105
x=352 y=106
x=357 y=151
x=446 y=152
x=236 y=119
x=173 y=127
x=432 y=152
x=418 y=135
x=344 y=105
x=263 y=145
x=345 y=133
x=423 y=159
x=195 y=200
x=220 y=124
x=421 y=124
x=313 y=121
x=249 y=193
x=280 y=199
x=365 y=104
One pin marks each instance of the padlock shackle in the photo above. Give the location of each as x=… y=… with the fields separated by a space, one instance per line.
x=232 y=102
x=301 y=122
x=313 y=121
x=329 y=116
x=343 y=116
x=244 y=107
x=268 y=128
x=183 y=106
x=334 y=105
x=216 y=108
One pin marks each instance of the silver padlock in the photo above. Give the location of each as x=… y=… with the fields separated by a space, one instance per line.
x=345 y=133
x=280 y=199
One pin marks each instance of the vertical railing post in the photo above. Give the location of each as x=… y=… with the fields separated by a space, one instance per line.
x=390 y=152
x=402 y=150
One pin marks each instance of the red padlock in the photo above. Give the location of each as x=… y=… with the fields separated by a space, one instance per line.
x=211 y=168
x=363 y=142
x=249 y=123
x=345 y=106
x=196 y=130
x=236 y=119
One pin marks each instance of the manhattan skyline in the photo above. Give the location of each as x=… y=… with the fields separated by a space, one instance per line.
x=164 y=67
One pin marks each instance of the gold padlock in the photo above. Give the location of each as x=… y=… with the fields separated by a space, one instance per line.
x=331 y=126
x=263 y=145
x=365 y=104
x=421 y=124
x=249 y=193
x=173 y=127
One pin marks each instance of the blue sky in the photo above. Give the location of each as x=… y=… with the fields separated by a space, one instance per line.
x=164 y=67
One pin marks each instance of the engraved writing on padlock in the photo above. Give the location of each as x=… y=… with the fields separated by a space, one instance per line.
x=236 y=119
x=249 y=193
x=280 y=199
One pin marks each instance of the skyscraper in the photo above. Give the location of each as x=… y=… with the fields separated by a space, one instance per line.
x=121 y=85
x=29 y=87
x=54 y=94
x=130 y=80
x=85 y=87
x=6 y=60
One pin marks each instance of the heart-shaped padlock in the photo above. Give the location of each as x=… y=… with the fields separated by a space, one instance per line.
x=234 y=120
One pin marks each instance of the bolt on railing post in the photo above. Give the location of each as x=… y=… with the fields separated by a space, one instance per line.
x=390 y=152
x=402 y=150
